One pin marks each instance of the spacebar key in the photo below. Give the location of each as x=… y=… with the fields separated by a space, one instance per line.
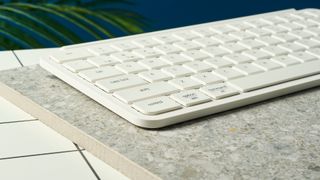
x=145 y=91
x=277 y=76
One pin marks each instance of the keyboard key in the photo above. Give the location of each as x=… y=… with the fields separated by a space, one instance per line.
x=154 y=75
x=223 y=38
x=204 y=32
x=166 y=38
x=190 y=97
x=291 y=26
x=206 y=78
x=215 y=51
x=187 y=45
x=257 y=23
x=301 y=34
x=315 y=52
x=167 y=49
x=228 y=73
x=233 y=47
x=239 y=26
x=124 y=46
x=130 y=67
x=101 y=50
x=259 y=32
x=146 y=42
x=285 y=60
x=303 y=56
x=275 y=29
x=277 y=76
x=251 y=43
x=256 y=54
x=266 y=64
x=284 y=37
x=219 y=91
x=153 y=63
x=307 y=43
x=194 y=55
x=120 y=82
x=147 y=52
x=100 y=61
x=197 y=66
x=242 y=35
x=64 y=56
x=185 y=83
x=267 y=40
x=185 y=35
x=174 y=59
x=156 y=105
x=93 y=75
x=206 y=42
x=291 y=47
x=144 y=92
x=222 y=29
x=177 y=71
x=274 y=50
x=125 y=56
x=76 y=66
x=238 y=58
x=248 y=68
x=218 y=62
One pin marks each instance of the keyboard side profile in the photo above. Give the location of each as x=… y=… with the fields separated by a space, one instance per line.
x=166 y=77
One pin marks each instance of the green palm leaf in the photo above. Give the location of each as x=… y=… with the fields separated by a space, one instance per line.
x=36 y=24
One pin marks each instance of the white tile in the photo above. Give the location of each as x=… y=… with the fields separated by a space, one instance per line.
x=31 y=137
x=31 y=56
x=104 y=170
x=62 y=166
x=9 y=112
x=8 y=60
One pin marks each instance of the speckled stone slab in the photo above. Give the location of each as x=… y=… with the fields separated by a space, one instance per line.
x=275 y=139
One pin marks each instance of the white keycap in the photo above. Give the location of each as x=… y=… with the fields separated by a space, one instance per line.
x=185 y=83
x=204 y=32
x=290 y=26
x=187 y=45
x=238 y=58
x=266 y=64
x=120 y=82
x=314 y=31
x=277 y=76
x=267 y=40
x=275 y=29
x=190 y=97
x=219 y=91
x=64 y=56
x=102 y=61
x=125 y=56
x=274 y=50
x=167 y=49
x=239 y=26
x=223 y=38
x=197 y=66
x=259 y=32
x=301 y=34
x=308 y=43
x=285 y=60
x=76 y=66
x=194 y=55
x=174 y=59
x=146 y=42
x=242 y=35
x=153 y=63
x=177 y=71
x=228 y=73
x=218 y=62
x=101 y=50
x=315 y=52
x=130 y=67
x=287 y=17
x=284 y=37
x=257 y=23
x=145 y=91
x=93 y=75
x=215 y=51
x=251 y=43
x=292 y=47
x=256 y=54
x=222 y=29
x=248 y=68
x=124 y=46
x=206 y=78
x=303 y=56
x=156 y=105
x=233 y=47
x=147 y=52
x=154 y=75
x=166 y=38
x=272 y=20
x=306 y=24
x=185 y=35
x=206 y=41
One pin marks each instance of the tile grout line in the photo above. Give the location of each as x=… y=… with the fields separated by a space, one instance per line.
x=88 y=163
x=41 y=154
x=18 y=121
x=17 y=58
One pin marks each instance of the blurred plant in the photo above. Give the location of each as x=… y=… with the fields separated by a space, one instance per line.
x=45 y=23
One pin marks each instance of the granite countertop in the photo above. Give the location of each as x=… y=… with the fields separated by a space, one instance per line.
x=274 y=139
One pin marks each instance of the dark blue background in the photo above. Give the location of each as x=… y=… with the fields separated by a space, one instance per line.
x=174 y=13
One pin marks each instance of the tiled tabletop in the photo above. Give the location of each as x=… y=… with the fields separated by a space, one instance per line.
x=31 y=150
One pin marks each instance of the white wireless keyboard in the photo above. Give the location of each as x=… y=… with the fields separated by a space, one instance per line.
x=165 y=77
